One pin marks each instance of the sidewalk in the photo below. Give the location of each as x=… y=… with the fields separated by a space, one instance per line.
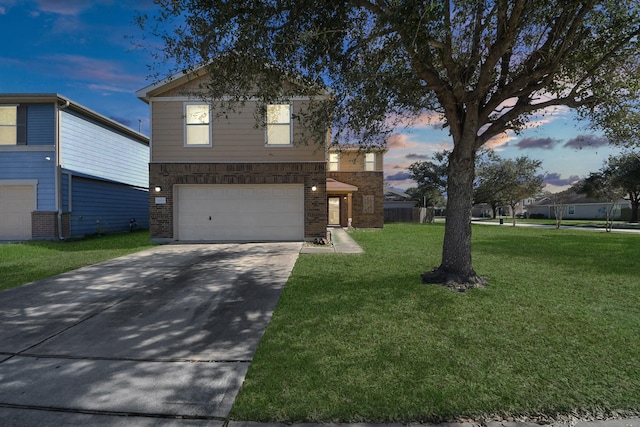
x=342 y=243
x=626 y=422
x=508 y=223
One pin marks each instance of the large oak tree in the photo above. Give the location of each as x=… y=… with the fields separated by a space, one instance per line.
x=487 y=66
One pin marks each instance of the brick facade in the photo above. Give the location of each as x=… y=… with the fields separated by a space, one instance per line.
x=44 y=225
x=369 y=184
x=166 y=175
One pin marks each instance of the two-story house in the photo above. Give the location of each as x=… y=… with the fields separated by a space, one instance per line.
x=66 y=170
x=355 y=186
x=226 y=177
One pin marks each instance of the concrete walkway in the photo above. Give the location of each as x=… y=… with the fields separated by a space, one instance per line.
x=341 y=243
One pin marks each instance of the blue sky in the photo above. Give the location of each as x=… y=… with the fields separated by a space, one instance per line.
x=85 y=50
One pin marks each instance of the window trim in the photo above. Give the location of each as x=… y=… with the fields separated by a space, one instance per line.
x=372 y=163
x=267 y=124
x=186 y=125
x=15 y=126
x=337 y=162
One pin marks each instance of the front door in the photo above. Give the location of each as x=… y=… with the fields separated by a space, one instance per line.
x=334 y=210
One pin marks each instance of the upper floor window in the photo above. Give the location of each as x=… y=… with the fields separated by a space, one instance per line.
x=279 y=124
x=370 y=161
x=334 y=159
x=197 y=125
x=8 y=125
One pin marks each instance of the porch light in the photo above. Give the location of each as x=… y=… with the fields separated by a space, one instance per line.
x=314 y=188
x=158 y=189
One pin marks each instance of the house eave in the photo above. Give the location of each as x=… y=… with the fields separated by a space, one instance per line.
x=45 y=98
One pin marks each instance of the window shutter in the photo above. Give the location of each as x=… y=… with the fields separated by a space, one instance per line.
x=22 y=125
x=368 y=204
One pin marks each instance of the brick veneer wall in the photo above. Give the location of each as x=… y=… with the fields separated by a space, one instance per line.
x=166 y=175
x=369 y=184
x=44 y=225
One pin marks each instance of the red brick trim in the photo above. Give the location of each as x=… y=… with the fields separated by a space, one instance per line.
x=167 y=175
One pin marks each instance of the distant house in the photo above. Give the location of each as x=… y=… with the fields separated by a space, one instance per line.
x=68 y=171
x=399 y=207
x=355 y=186
x=577 y=206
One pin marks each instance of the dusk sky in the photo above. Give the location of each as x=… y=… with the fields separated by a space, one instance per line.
x=85 y=50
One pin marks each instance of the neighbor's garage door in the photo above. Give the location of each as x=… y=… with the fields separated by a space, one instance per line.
x=16 y=204
x=240 y=212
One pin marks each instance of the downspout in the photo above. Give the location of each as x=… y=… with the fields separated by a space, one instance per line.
x=58 y=173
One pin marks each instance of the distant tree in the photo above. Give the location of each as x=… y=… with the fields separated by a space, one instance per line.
x=559 y=201
x=599 y=185
x=619 y=177
x=523 y=181
x=507 y=182
x=625 y=171
x=431 y=177
x=486 y=66
x=490 y=181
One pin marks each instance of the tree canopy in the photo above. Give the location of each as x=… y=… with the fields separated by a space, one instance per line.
x=619 y=177
x=506 y=182
x=486 y=66
x=431 y=177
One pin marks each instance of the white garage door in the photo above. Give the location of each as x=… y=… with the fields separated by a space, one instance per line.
x=240 y=212
x=16 y=204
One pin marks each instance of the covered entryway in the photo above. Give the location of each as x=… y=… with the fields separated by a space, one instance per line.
x=340 y=202
x=239 y=212
x=16 y=204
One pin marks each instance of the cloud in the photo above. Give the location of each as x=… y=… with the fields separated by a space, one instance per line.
x=400 y=176
x=586 y=141
x=413 y=156
x=544 y=143
x=108 y=88
x=500 y=141
x=3 y=10
x=82 y=68
x=67 y=7
x=398 y=141
x=556 y=180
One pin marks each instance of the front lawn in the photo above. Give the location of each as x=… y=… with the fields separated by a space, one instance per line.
x=359 y=338
x=25 y=262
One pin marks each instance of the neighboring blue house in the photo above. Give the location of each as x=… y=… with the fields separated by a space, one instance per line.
x=67 y=171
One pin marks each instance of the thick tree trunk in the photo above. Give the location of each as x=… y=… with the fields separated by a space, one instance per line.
x=456 y=270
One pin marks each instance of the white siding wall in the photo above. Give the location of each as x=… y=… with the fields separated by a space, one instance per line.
x=95 y=150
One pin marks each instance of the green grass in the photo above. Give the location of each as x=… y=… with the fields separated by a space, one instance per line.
x=359 y=338
x=593 y=223
x=25 y=262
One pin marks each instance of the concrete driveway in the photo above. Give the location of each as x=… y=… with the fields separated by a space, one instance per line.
x=147 y=339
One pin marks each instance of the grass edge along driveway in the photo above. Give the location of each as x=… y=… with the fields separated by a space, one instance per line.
x=28 y=261
x=357 y=338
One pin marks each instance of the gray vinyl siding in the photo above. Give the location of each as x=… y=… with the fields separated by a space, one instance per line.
x=236 y=138
x=41 y=124
x=93 y=149
x=23 y=165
